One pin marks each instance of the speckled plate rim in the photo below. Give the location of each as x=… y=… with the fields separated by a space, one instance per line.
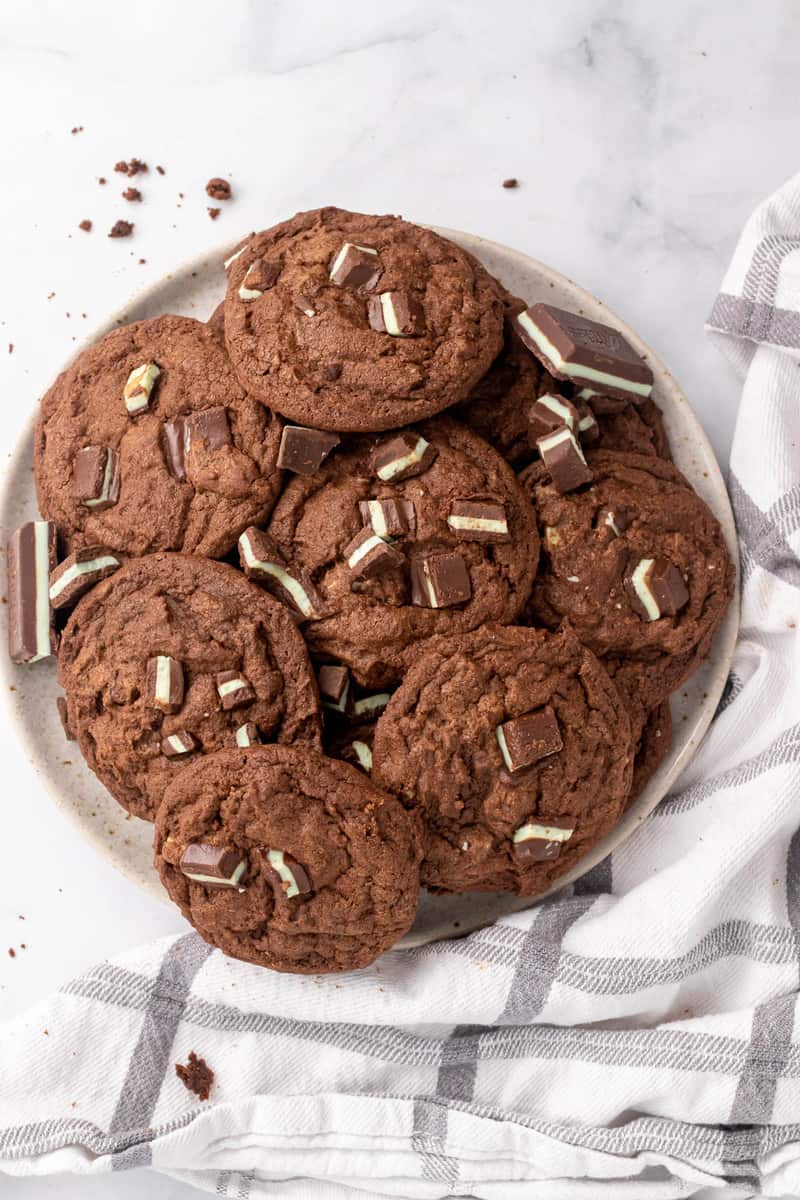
x=193 y=289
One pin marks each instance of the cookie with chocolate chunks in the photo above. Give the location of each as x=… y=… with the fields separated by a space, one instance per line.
x=434 y=581
x=636 y=562
x=368 y=324
x=148 y=442
x=167 y=660
x=287 y=859
x=516 y=748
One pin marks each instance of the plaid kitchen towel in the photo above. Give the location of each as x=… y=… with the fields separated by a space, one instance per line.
x=637 y=1036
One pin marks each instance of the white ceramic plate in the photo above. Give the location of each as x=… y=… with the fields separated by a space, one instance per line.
x=194 y=290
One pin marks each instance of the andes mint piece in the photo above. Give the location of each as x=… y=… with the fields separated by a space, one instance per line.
x=402 y=456
x=368 y=707
x=656 y=588
x=261 y=560
x=572 y=347
x=209 y=426
x=213 y=866
x=389 y=518
x=304 y=304
x=334 y=687
x=293 y=880
x=95 y=477
x=80 y=572
x=175 y=745
x=174 y=440
x=396 y=313
x=304 y=450
x=588 y=430
x=614 y=519
x=31 y=557
x=549 y=413
x=63 y=716
x=440 y=580
x=233 y=689
x=535 y=842
x=362 y=754
x=479 y=520
x=164 y=683
x=563 y=457
x=524 y=740
x=356 y=266
x=368 y=555
x=259 y=278
x=248 y=735
x=139 y=388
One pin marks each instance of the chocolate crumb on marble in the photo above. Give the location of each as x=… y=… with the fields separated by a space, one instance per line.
x=121 y=229
x=219 y=189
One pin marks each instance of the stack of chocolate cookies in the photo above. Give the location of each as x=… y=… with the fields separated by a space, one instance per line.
x=380 y=578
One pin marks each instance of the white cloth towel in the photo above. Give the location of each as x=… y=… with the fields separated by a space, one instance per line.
x=636 y=1036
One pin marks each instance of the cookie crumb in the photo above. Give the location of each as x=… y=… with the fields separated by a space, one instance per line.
x=510 y=183
x=218 y=189
x=85 y=225
x=196 y=1076
x=214 y=213
x=161 y=170
x=76 y=129
x=130 y=168
x=101 y=179
x=131 y=193
x=12 y=952
x=10 y=347
x=121 y=229
x=142 y=261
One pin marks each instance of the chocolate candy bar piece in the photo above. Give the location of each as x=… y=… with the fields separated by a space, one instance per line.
x=80 y=572
x=292 y=878
x=440 y=580
x=259 y=278
x=369 y=707
x=389 y=518
x=479 y=521
x=175 y=745
x=526 y=739
x=368 y=555
x=165 y=683
x=138 y=390
x=95 y=477
x=361 y=753
x=356 y=266
x=213 y=866
x=248 y=735
x=304 y=450
x=539 y=842
x=587 y=429
x=396 y=313
x=31 y=557
x=174 y=445
x=402 y=456
x=615 y=520
x=590 y=354
x=261 y=560
x=304 y=304
x=233 y=689
x=564 y=460
x=334 y=687
x=656 y=588
x=549 y=413
x=209 y=426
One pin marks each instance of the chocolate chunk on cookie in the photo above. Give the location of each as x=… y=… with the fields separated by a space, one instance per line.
x=367 y=323
x=516 y=748
x=169 y=658
x=434 y=580
x=286 y=859
x=636 y=562
x=148 y=442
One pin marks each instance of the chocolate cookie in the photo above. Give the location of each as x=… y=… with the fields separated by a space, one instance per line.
x=286 y=859
x=148 y=442
x=622 y=425
x=176 y=656
x=636 y=562
x=345 y=321
x=397 y=538
x=516 y=747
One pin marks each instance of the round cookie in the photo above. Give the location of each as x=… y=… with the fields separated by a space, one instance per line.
x=329 y=865
x=590 y=565
x=566 y=769
x=192 y=465
x=311 y=333
x=212 y=623
x=370 y=621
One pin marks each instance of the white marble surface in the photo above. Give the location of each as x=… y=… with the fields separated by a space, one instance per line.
x=642 y=135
